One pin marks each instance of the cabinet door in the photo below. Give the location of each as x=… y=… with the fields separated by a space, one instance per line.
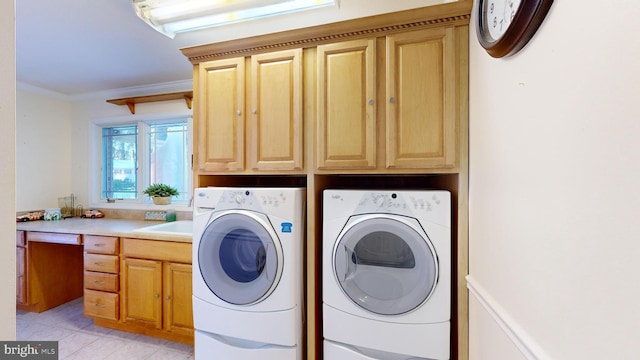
x=142 y=291
x=421 y=117
x=21 y=275
x=178 y=308
x=275 y=132
x=220 y=123
x=345 y=133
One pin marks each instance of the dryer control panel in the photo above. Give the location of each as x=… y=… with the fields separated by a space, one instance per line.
x=427 y=205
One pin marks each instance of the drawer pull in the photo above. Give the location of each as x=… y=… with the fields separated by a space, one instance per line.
x=98 y=264
x=99 y=244
x=100 y=306
x=98 y=282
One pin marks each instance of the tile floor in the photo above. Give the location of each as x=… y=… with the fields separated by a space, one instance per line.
x=79 y=338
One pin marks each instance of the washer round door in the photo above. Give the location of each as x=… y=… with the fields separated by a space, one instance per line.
x=240 y=257
x=384 y=265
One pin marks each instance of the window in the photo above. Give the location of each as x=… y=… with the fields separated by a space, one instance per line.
x=137 y=154
x=119 y=162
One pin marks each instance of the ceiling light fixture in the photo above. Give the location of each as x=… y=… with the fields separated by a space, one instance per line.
x=175 y=16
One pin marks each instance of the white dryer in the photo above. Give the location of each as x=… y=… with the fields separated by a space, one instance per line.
x=247 y=273
x=386 y=284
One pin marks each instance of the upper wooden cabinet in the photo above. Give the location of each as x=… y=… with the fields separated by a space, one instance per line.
x=346 y=126
x=417 y=70
x=382 y=94
x=420 y=99
x=221 y=121
x=275 y=129
x=272 y=138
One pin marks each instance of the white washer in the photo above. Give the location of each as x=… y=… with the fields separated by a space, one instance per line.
x=386 y=263
x=247 y=278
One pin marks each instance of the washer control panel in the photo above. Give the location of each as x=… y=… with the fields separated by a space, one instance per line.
x=244 y=198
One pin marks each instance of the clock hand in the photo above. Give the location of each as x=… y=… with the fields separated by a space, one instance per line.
x=506 y=19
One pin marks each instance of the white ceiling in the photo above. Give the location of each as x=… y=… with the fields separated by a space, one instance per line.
x=74 y=47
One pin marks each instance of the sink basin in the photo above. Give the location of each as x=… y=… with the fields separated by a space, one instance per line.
x=182 y=227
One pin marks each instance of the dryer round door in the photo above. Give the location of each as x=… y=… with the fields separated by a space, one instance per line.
x=240 y=257
x=384 y=264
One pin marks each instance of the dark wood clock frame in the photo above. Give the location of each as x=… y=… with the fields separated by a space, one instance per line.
x=524 y=25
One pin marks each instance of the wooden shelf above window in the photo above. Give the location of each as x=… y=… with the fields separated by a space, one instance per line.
x=132 y=101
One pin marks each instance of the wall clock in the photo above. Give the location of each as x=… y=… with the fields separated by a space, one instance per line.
x=505 y=26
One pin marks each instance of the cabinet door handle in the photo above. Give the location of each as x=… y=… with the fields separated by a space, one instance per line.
x=238 y=112
x=254 y=111
x=168 y=298
x=370 y=102
x=157 y=296
x=392 y=99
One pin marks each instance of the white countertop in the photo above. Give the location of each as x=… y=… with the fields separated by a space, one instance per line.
x=105 y=227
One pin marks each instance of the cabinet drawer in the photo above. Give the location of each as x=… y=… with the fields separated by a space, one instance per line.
x=101 y=244
x=157 y=250
x=101 y=304
x=101 y=281
x=58 y=238
x=101 y=263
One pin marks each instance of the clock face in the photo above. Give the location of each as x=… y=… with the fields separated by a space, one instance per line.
x=498 y=15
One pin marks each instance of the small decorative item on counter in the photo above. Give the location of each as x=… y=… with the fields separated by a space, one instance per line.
x=30 y=216
x=161 y=193
x=52 y=214
x=94 y=214
x=170 y=215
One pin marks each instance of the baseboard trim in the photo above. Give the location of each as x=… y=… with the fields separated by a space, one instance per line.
x=520 y=338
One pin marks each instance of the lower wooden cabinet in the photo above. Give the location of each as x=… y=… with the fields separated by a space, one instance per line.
x=156 y=287
x=139 y=285
x=178 y=290
x=101 y=285
x=142 y=289
x=157 y=294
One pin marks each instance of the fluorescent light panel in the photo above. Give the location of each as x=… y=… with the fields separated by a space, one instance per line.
x=175 y=16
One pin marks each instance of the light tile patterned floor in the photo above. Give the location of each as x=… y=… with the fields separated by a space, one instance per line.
x=79 y=338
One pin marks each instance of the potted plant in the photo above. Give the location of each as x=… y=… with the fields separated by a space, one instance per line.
x=161 y=193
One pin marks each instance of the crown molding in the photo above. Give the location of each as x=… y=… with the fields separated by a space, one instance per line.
x=456 y=13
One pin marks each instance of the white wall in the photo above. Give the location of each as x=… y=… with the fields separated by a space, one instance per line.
x=554 y=195
x=43 y=150
x=8 y=172
x=54 y=149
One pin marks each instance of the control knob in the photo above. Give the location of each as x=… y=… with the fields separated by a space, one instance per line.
x=381 y=202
